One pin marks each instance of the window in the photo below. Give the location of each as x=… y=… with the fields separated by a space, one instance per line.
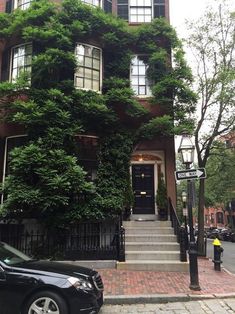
x=22 y=4
x=11 y=143
x=219 y=218
x=138 y=78
x=212 y=218
x=95 y=3
x=88 y=73
x=21 y=60
x=106 y=4
x=140 y=11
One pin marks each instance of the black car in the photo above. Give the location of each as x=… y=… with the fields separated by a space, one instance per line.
x=30 y=286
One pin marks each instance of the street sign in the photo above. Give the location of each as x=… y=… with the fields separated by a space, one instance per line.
x=189 y=174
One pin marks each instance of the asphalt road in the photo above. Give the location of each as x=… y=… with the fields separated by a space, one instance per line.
x=228 y=256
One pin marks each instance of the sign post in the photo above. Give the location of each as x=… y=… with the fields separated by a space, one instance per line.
x=189 y=174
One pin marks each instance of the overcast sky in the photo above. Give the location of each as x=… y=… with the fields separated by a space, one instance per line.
x=180 y=10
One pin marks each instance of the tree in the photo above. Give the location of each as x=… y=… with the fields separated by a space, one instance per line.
x=220 y=176
x=212 y=41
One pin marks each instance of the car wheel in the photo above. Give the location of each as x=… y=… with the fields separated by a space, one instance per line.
x=45 y=303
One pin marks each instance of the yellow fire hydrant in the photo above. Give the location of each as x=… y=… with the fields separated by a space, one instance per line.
x=218 y=250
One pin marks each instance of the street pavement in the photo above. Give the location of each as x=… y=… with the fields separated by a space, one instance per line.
x=128 y=283
x=217 y=306
x=168 y=292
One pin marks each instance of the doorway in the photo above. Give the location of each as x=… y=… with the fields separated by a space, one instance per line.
x=143 y=188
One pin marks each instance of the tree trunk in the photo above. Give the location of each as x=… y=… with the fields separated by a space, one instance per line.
x=201 y=205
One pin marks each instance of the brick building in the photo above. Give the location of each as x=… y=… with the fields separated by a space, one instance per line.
x=150 y=158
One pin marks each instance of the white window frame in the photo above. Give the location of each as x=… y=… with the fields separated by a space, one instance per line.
x=11 y=79
x=100 y=69
x=140 y=7
x=5 y=158
x=25 y=4
x=147 y=86
x=93 y=5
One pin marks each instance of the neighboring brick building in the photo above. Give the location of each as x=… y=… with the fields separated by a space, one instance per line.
x=149 y=157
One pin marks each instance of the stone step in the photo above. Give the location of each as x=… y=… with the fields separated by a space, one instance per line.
x=149 y=230
x=143 y=217
x=153 y=246
x=152 y=255
x=150 y=238
x=142 y=224
x=165 y=265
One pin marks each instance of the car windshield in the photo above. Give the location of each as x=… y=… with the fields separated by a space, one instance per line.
x=11 y=256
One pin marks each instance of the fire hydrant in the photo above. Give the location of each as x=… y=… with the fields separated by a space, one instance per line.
x=218 y=250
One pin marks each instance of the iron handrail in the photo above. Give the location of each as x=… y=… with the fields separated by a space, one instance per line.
x=179 y=231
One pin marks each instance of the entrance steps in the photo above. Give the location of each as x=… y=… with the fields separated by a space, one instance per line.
x=151 y=246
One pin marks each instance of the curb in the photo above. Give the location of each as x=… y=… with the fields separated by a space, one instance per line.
x=162 y=298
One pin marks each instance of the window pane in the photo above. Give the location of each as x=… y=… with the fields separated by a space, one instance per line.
x=148 y=19
x=96 y=53
x=134 y=80
x=89 y=71
x=21 y=60
x=96 y=75
x=96 y=64
x=140 y=3
x=133 y=3
x=138 y=79
x=142 y=80
x=141 y=70
x=87 y=83
x=96 y=85
x=88 y=62
x=135 y=89
x=79 y=82
x=142 y=90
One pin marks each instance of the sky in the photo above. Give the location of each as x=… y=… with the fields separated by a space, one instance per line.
x=180 y=10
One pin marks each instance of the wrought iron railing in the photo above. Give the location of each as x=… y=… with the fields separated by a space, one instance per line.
x=83 y=241
x=179 y=231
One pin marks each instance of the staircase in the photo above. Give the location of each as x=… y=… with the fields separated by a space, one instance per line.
x=151 y=245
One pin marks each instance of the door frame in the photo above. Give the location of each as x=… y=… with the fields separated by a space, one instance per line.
x=159 y=164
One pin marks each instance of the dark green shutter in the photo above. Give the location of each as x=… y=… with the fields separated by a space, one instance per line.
x=5 y=65
x=107 y=6
x=122 y=9
x=9 y=6
x=159 y=8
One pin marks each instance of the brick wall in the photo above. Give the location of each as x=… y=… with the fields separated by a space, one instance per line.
x=2 y=5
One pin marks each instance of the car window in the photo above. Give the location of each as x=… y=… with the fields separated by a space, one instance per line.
x=11 y=256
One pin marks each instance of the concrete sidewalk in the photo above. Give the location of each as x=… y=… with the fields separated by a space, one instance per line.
x=128 y=287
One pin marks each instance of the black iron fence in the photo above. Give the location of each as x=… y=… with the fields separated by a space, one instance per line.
x=83 y=241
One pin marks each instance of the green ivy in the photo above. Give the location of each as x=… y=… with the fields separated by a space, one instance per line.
x=46 y=178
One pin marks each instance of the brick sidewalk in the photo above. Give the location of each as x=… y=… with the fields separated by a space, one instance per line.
x=121 y=282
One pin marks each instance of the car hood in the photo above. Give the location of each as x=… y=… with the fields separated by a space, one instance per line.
x=56 y=268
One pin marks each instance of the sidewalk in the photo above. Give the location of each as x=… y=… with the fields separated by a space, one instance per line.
x=135 y=286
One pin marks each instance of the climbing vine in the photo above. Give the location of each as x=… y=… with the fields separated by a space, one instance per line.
x=46 y=170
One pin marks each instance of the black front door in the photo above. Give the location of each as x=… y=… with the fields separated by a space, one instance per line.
x=143 y=188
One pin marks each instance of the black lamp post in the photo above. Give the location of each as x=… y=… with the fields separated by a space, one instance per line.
x=185 y=214
x=187 y=151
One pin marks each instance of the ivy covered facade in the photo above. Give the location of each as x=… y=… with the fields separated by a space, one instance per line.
x=90 y=104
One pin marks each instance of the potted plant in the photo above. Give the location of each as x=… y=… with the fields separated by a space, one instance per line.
x=161 y=199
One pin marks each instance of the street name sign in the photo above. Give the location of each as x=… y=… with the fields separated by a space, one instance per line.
x=189 y=174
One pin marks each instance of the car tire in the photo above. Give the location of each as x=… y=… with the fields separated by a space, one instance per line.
x=45 y=302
